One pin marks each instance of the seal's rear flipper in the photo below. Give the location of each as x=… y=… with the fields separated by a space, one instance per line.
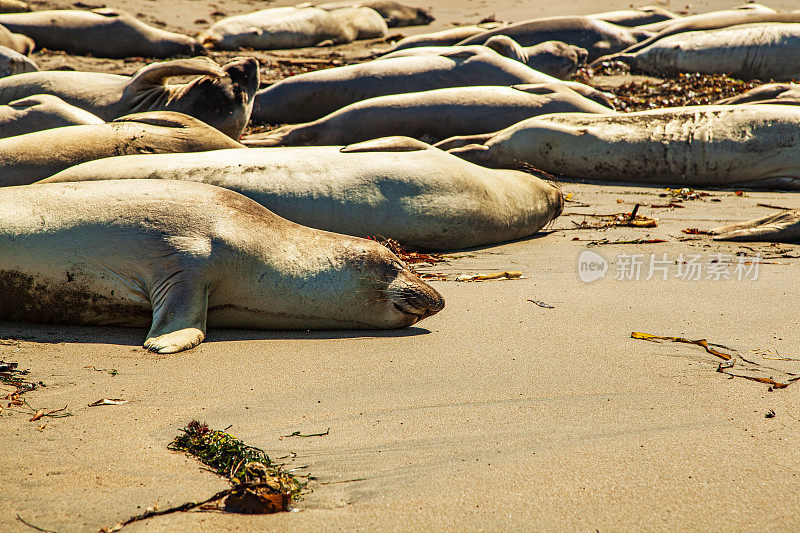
x=159 y=73
x=386 y=144
x=783 y=227
x=463 y=140
x=180 y=309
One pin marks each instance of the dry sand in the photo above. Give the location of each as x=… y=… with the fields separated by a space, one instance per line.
x=495 y=414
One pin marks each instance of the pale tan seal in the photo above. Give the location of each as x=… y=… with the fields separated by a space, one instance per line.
x=751 y=144
x=313 y=95
x=554 y=58
x=14 y=6
x=396 y=187
x=41 y=112
x=12 y=62
x=33 y=156
x=445 y=37
x=780 y=227
x=101 y=32
x=15 y=41
x=222 y=97
x=278 y=28
x=394 y=13
x=637 y=16
x=181 y=257
x=368 y=23
x=431 y=115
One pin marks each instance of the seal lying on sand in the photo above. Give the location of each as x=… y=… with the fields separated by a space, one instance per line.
x=395 y=187
x=278 y=28
x=182 y=256
x=223 y=98
x=598 y=37
x=781 y=227
x=12 y=62
x=31 y=157
x=764 y=51
x=394 y=13
x=313 y=95
x=101 y=32
x=770 y=93
x=14 y=6
x=637 y=16
x=445 y=37
x=367 y=22
x=19 y=43
x=750 y=144
x=436 y=114
x=41 y=112
x=554 y=58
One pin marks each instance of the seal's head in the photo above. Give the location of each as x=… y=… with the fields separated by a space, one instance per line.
x=224 y=102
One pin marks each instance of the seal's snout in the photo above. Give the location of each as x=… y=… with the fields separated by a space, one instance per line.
x=413 y=297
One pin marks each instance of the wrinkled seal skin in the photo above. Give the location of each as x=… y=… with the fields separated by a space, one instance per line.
x=12 y=62
x=16 y=42
x=313 y=95
x=770 y=93
x=394 y=13
x=222 y=97
x=637 y=16
x=102 y=33
x=41 y=112
x=395 y=187
x=179 y=257
x=750 y=144
x=427 y=115
x=278 y=28
x=748 y=51
x=598 y=37
x=780 y=227
x=554 y=58
x=33 y=156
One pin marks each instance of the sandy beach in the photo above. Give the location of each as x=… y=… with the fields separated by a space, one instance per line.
x=498 y=413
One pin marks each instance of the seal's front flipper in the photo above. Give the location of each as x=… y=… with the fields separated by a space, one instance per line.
x=159 y=73
x=783 y=227
x=180 y=308
x=396 y=143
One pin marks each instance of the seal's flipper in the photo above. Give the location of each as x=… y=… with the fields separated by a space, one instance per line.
x=159 y=73
x=386 y=144
x=783 y=227
x=180 y=309
x=167 y=119
x=539 y=88
x=463 y=140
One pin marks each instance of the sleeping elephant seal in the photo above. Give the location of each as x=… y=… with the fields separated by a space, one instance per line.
x=753 y=145
x=395 y=187
x=313 y=95
x=33 y=156
x=101 y=32
x=747 y=51
x=636 y=16
x=598 y=37
x=278 y=28
x=16 y=42
x=41 y=112
x=445 y=37
x=770 y=93
x=780 y=227
x=180 y=257
x=12 y=62
x=394 y=13
x=436 y=114
x=222 y=97
x=14 y=6
x=554 y=58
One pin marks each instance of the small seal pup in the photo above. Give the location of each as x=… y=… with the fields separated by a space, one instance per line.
x=101 y=32
x=41 y=112
x=222 y=97
x=12 y=62
x=313 y=95
x=436 y=114
x=33 y=156
x=396 y=187
x=751 y=144
x=180 y=257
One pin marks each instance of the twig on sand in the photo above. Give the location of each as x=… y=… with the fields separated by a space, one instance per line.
x=37 y=528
